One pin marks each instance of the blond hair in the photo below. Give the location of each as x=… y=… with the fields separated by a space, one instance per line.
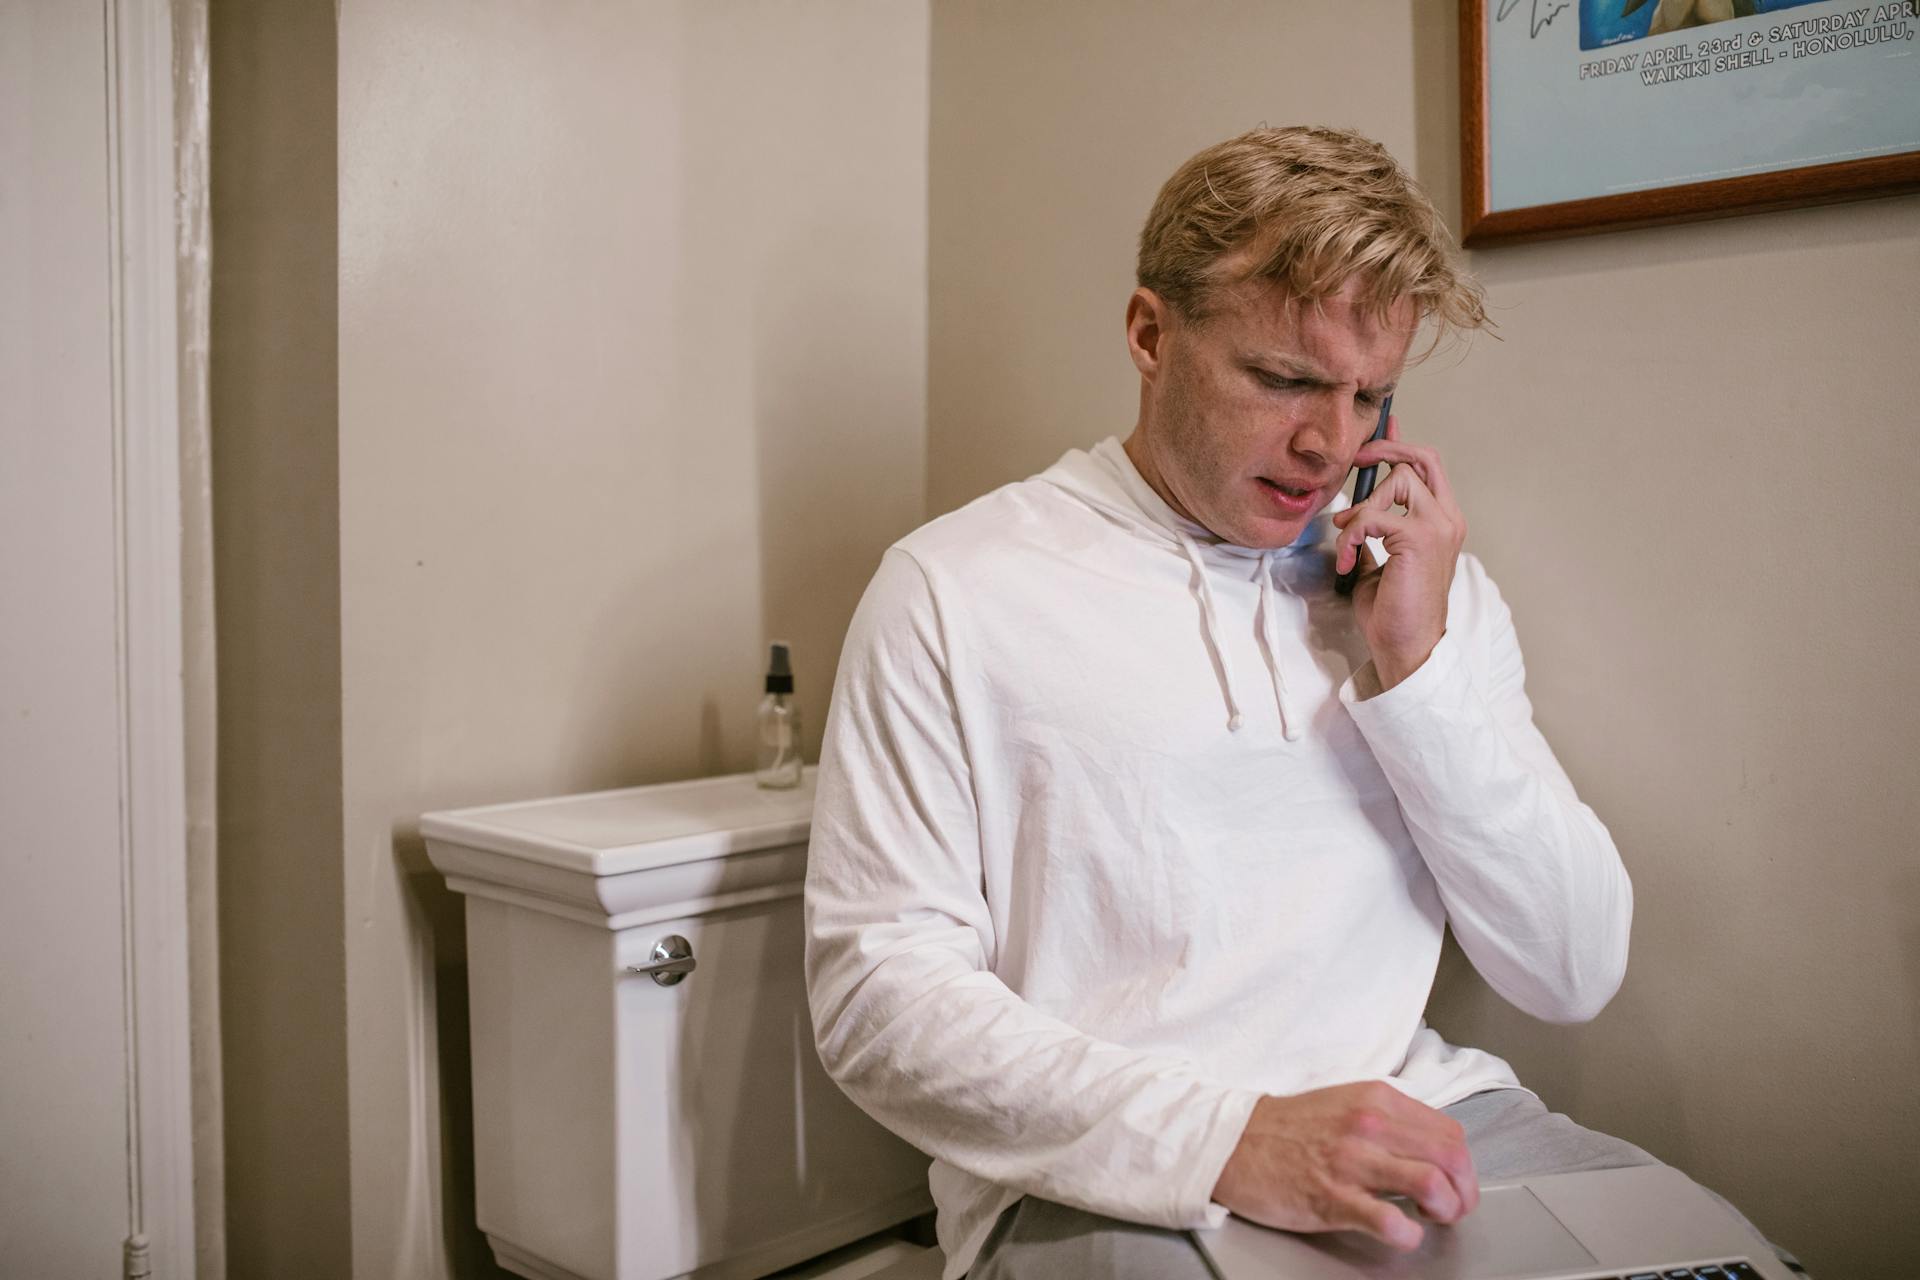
x=1312 y=209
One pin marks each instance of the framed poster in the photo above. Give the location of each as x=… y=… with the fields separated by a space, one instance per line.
x=1594 y=115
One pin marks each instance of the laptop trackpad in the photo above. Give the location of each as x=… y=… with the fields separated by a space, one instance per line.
x=1510 y=1234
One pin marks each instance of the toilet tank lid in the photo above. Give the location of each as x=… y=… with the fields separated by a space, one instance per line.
x=606 y=833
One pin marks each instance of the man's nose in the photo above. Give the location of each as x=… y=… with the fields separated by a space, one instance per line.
x=1320 y=431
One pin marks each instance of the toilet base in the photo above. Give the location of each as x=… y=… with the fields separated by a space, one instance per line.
x=790 y=1251
x=512 y=1258
x=898 y=1260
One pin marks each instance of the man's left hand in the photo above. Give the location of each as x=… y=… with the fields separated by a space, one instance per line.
x=1402 y=605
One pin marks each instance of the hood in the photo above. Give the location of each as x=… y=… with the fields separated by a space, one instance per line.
x=1105 y=479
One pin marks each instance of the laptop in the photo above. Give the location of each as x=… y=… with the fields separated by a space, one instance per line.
x=1649 y=1222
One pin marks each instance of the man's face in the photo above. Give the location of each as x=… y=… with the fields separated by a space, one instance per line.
x=1250 y=420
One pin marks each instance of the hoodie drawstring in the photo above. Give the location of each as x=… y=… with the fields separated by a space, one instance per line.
x=1106 y=480
x=1289 y=723
x=1210 y=618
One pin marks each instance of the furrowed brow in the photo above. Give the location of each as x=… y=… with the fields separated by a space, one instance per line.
x=1296 y=367
x=1305 y=370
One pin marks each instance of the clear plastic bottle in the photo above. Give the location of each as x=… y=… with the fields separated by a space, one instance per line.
x=779 y=764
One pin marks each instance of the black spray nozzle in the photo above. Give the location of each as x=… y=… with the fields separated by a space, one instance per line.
x=779 y=670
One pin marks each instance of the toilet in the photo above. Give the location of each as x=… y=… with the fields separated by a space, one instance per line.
x=647 y=1102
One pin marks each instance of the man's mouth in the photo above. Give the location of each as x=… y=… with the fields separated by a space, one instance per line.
x=1291 y=490
x=1290 y=497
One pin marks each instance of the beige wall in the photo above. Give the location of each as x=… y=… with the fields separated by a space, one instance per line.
x=1685 y=464
x=632 y=347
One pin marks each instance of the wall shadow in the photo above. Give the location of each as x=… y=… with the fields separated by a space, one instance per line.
x=273 y=388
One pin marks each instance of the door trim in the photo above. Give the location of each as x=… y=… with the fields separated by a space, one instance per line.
x=146 y=353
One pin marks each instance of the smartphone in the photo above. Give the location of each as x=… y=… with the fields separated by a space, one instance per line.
x=1363 y=482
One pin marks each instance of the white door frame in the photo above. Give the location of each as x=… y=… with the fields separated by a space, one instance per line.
x=145 y=340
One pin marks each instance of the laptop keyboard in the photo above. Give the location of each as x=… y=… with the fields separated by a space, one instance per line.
x=1740 y=1270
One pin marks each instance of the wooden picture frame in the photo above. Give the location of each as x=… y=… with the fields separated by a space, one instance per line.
x=1680 y=201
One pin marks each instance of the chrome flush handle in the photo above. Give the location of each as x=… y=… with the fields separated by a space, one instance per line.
x=672 y=960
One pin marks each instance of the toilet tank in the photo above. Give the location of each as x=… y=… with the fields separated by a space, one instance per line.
x=632 y=1125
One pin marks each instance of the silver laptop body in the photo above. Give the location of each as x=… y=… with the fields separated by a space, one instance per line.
x=1650 y=1220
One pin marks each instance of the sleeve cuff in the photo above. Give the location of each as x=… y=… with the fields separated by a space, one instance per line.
x=1436 y=740
x=1443 y=676
x=1195 y=1207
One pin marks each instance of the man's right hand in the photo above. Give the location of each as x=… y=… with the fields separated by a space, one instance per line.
x=1320 y=1161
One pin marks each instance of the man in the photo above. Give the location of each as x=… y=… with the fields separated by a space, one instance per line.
x=1135 y=840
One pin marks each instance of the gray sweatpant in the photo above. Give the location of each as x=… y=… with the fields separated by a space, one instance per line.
x=1510 y=1132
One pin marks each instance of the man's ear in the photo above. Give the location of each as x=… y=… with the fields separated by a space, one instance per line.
x=1148 y=318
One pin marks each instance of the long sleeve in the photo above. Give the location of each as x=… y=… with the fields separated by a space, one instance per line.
x=1533 y=887
x=909 y=1017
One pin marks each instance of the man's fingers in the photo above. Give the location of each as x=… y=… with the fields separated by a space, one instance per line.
x=1403 y=487
x=1400 y=487
x=1435 y=1140
x=1429 y=1140
x=1422 y=459
x=1377 y=517
x=1358 y=1211
x=1323 y=1160
x=1346 y=548
x=1346 y=553
x=1444 y=1148
x=1427 y=1185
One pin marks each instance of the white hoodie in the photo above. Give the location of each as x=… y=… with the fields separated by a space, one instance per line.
x=1109 y=841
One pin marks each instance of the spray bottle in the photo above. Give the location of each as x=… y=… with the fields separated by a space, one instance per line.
x=779 y=764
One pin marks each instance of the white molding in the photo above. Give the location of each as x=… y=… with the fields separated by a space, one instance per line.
x=146 y=448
